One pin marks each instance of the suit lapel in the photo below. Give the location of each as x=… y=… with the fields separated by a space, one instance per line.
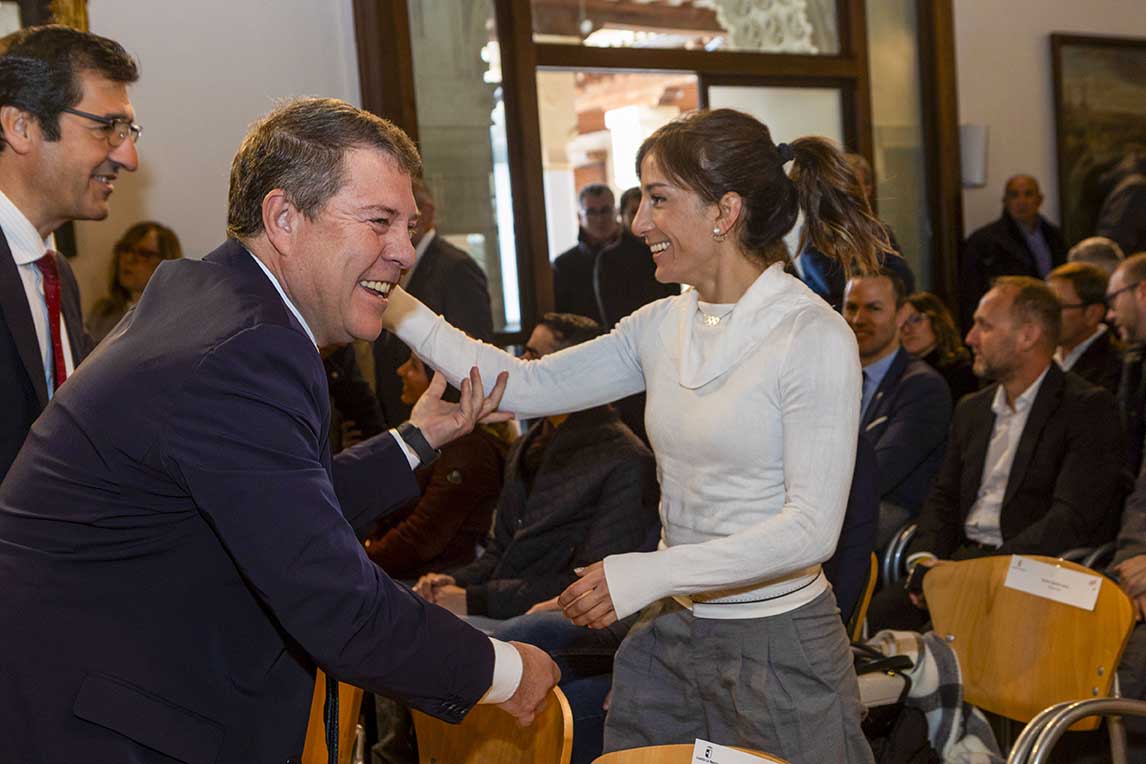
x=69 y=311
x=879 y=404
x=1045 y=404
x=18 y=316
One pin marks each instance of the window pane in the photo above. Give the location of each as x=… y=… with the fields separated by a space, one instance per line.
x=772 y=26
x=897 y=128
x=461 y=132
x=592 y=124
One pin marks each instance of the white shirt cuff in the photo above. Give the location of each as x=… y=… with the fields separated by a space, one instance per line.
x=411 y=457
x=507 y=668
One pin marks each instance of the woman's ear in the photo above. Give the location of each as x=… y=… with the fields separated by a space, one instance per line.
x=729 y=210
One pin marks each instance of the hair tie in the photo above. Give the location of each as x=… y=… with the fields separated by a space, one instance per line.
x=786 y=153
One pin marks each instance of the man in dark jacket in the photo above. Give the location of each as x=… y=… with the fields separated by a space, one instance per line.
x=577 y=489
x=1085 y=345
x=1028 y=468
x=1020 y=243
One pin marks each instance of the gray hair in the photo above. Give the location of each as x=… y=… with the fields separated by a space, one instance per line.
x=299 y=147
x=1098 y=250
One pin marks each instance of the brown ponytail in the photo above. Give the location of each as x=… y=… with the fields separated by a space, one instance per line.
x=837 y=217
x=714 y=152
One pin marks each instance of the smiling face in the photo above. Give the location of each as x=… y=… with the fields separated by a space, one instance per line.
x=339 y=267
x=869 y=307
x=676 y=224
x=78 y=172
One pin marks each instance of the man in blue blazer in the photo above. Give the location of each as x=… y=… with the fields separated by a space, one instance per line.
x=178 y=548
x=906 y=405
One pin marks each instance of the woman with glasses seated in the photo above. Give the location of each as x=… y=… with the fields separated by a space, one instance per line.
x=135 y=257
x=928 y=332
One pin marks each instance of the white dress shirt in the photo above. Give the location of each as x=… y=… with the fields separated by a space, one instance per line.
x=507 y=666
x=27 y=247
x=1070 y=359
x=982 y=524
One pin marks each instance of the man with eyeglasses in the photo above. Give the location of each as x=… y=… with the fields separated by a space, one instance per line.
x=1126 y=312
x=67 y=132
x=1085 y=345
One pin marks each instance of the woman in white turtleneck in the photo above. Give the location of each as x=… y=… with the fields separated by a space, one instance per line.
x=753 y=389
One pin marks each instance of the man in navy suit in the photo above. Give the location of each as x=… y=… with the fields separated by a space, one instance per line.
x=178 y=548
x=906 y=405
x=68 y=131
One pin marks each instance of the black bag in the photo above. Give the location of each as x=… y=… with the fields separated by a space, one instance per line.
x=897 y=733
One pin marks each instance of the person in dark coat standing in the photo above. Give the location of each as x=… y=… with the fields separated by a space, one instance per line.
x=1020 y=243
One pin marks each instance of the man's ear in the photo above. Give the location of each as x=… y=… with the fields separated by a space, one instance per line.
x=281 y=220
x=20 y=128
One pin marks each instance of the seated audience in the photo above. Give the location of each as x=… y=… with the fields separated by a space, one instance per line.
x=134 y=258
x=1097 y=250
x=1020 y=243
x=1085 y=346
x=1027 y=469
x=355 y=414
x=906 y=406
x=824 y=276
x=578 y=487
x=1126 y=312
x=444 y=526
x=928 y=332
x=1129 y=569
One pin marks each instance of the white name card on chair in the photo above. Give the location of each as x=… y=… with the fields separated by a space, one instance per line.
x=1051 y=582
x=705 y=752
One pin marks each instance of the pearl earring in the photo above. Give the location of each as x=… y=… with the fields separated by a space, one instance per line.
x=717 y=234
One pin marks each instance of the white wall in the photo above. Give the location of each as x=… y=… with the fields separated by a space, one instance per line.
x=1005 y=81
x=208 y=69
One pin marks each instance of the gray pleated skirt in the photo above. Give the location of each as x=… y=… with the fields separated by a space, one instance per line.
x=783 y=684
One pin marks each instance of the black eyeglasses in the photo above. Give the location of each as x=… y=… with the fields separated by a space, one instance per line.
x=1110 y=296
x=115 y=130
x=915 y=318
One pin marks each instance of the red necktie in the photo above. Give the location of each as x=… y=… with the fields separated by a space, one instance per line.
x=51 y=273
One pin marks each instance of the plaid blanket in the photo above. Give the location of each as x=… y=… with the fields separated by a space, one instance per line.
x=957 y=730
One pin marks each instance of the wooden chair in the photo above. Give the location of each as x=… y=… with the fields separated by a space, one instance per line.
x=667 y=754
x=349 y=708
x=1019 y=653
x=489 y=735
x=856 y=622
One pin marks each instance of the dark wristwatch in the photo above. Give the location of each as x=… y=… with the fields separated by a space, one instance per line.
x=413 y=437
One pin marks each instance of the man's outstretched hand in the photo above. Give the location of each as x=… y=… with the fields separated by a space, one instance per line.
x=442 y=422
x=539 y=674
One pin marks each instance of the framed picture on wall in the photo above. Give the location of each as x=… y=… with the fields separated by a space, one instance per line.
x=1100 y=119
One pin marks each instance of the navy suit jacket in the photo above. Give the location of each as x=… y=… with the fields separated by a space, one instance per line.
x=23 y=390
x=177 y=552
x=907 y=422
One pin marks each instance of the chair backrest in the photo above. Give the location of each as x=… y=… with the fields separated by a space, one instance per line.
x=1020 y=653
x=855 y=624
x=349 y=707
x=680 y=753
x=491 y=736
